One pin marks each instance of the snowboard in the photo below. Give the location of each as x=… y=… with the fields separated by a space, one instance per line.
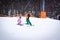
x=20 y=24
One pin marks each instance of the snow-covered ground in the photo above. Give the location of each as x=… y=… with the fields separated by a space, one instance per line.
x=42 y=29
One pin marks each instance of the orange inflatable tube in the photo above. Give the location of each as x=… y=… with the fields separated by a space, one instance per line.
x=43 y=14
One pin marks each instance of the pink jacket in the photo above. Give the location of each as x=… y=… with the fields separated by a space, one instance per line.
x=19 y=21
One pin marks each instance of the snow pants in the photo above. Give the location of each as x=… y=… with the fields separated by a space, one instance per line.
x=28 y=22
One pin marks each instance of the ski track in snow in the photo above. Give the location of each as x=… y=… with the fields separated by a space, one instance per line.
x=42 y=29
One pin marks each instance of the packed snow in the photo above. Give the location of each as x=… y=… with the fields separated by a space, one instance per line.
x=42 y=29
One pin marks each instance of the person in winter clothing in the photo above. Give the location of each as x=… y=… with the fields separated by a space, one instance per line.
x=27 y=19
x=19 y=20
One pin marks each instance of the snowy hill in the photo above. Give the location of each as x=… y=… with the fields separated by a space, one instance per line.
x=42 y=29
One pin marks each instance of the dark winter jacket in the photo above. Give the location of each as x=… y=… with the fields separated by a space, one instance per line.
x=27 y=16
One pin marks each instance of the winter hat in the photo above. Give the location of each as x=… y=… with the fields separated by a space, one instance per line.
x=20 y=17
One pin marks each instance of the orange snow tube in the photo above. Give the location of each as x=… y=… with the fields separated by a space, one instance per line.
x=43 y=14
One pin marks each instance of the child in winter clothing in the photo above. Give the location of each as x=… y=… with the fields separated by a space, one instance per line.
x=19 y=20
x=27 y=19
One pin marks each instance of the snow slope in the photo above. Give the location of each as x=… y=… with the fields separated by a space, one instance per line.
x=42 y=29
